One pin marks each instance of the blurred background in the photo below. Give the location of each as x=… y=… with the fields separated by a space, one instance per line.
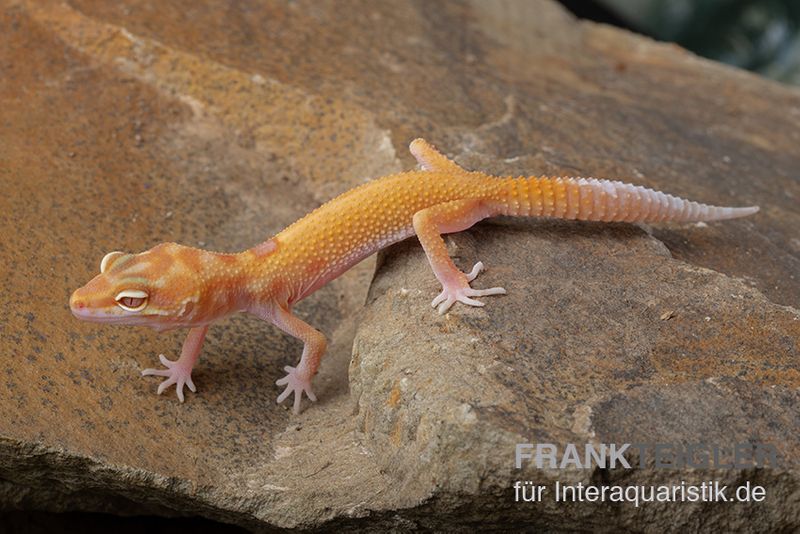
x=757 y=35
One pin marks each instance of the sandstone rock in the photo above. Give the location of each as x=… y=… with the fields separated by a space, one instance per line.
x=579 y=351
x=123 y=124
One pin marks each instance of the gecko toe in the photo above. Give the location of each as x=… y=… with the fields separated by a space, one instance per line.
x=439 y=299
x=165 y=384
x=487 y=292
x=444 y=306
x=285 y=394
x=476 y=269
x=472 y=302
x=155 y=372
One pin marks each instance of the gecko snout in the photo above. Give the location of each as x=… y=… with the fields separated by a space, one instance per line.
x=78 y=306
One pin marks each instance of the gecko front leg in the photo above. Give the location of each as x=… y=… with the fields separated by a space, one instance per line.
x=298 y=379
x=180 y=372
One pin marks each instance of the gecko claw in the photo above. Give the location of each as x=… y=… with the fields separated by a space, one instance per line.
x=462 y=293
x=295 y=384
x=175 y=374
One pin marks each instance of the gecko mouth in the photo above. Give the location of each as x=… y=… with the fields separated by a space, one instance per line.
x=86 y=314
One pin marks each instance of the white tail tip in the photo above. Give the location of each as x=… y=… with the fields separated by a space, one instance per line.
x=732 y=213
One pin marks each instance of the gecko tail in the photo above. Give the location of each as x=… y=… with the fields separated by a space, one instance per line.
x=588 y=199
x=650 y=205
x=619 y=201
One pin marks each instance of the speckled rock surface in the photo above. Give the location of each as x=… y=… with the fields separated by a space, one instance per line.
x=602 y=338
x=123 y=124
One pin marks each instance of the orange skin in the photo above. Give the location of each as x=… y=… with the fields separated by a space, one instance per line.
x=174 y=286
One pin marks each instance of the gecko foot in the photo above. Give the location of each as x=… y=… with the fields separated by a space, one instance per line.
x=461 y=292
x=295 y=384
x=176 y=374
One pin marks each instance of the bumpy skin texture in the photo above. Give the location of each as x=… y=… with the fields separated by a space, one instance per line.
x=173 y=286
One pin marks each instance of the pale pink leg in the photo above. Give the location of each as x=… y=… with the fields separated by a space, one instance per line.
x=450 y=217
x=298 y=379
x=180 y=372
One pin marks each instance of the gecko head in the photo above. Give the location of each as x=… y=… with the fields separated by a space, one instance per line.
x=157 y=288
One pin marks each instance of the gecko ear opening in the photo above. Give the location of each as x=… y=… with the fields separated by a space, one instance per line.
x=109 y=259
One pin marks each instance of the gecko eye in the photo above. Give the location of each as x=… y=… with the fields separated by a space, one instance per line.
x=132 y=300
x=108 y=259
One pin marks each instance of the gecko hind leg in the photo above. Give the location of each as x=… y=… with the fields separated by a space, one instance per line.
x=429 y=225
